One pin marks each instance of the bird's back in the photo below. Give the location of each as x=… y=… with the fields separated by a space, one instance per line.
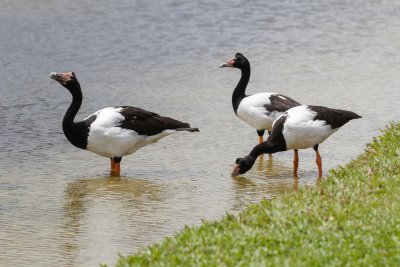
x=334 y=117
x=138 y=120
x=119 y=131
x=306 y=126
x=260 y=110
x=148 y=123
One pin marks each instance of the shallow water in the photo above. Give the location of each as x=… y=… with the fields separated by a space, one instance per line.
x=58 y=205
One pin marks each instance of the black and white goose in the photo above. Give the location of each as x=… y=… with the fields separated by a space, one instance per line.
x=298 y=128
x=113 y=132
x=259 y=110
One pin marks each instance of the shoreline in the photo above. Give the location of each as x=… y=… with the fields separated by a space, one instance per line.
x=351 y=217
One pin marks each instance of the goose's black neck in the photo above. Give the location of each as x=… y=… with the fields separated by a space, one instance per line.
x=275 y=143
x=263 y=148
x=74 y=107
x=76 y=133
x=240 y=91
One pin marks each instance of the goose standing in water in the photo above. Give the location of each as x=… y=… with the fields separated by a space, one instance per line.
x=113 y=132
x=298 y=128
x=259 y=110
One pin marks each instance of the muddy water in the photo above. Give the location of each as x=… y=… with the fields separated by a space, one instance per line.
x=58 y=205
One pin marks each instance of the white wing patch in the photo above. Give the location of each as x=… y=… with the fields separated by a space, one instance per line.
x=302 y=131
x=252 y=110
x=107 y=117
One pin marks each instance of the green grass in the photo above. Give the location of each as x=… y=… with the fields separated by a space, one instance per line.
x=352 y=218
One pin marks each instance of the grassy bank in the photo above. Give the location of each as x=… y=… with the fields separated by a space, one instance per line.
x=351 y=218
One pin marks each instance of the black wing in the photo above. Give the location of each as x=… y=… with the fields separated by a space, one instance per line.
x=281 y=103
x=334 y=117
x=88 y=121
x=147 y=123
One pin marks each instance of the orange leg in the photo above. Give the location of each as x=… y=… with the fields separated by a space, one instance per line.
x=260 y=136
x=319 y=163
x=117 y=169
x=115 y=166
x=295 y=162
x=112 y=164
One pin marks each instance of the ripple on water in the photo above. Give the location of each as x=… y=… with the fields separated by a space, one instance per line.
x=59 y=207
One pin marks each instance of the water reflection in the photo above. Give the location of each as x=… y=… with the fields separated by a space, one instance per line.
x=99 y=211
x=268 y=177
x=163 y=56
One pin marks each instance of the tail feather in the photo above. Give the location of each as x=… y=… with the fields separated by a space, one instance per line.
x=188 y=129
x=334 y=117
x=356 y=116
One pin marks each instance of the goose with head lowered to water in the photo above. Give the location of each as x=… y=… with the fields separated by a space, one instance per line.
x=298 y=128
x=113 y=132
x=261 y=109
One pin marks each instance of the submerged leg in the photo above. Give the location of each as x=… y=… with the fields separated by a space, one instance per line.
x=117 y=166
x=260 y=136
x=117 y=169
x=318 y=160
x=112 y=164
x=295 y=162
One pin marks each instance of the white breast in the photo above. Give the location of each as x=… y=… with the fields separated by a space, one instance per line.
x=301 y=131
x=252 y=110
x=108 y=140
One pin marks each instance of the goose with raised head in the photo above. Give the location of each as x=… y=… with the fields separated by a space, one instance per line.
x=259 y=110
x=113 y=132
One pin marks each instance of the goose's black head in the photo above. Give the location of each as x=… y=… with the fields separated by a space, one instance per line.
x=242 y=165
x=239 y=61
x=66 y=79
